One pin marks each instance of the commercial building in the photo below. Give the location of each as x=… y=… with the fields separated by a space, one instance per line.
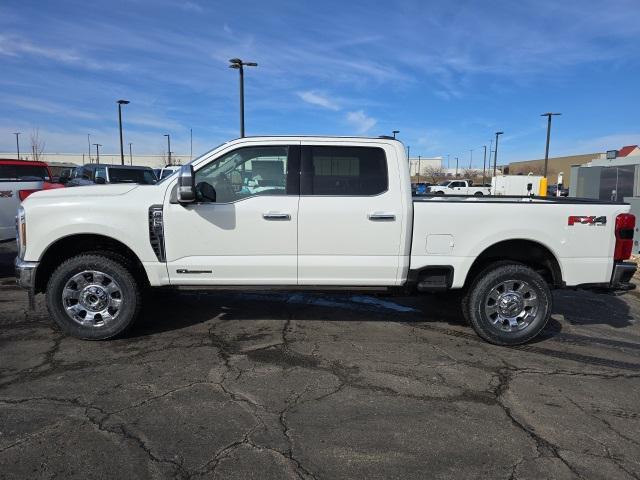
x=556 y=165
x=424 y=166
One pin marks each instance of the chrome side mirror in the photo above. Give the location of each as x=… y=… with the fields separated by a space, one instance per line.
x=186 y=185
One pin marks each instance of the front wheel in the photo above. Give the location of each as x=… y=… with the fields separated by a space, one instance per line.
x=93 y=297
x=508 y=304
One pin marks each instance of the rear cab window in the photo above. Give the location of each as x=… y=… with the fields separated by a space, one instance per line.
x=344 y=171
x=130 y=175
x=24 y=173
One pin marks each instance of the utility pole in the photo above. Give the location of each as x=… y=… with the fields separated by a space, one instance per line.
x=419 y=164
x=456 y=167
x=17 y=134
x=89 y=144
x=191 y=143
x=484 y=165
x=130 y=154
x=470 y=158
x=97 y=152
x=120 y=103
x=239 y=65
x=495 y=158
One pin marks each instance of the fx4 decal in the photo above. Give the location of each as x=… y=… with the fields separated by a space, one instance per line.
x=587 y=220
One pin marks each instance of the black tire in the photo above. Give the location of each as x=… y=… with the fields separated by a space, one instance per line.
x=129 y=293
x=440 y=192
x=479 y=194
x=480 y=298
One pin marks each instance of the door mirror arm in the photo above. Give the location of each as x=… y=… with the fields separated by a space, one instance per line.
x=186 y=185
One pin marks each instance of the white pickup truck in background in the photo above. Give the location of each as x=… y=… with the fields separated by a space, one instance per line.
x=458 y=187
x=313 y=213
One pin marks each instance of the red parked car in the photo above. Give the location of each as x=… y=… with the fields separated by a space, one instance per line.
x=18 y=180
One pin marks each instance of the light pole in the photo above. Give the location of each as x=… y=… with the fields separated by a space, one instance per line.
x=456 y=167
x=546 y=151
x=394 y=133
x=97 y=145
x=495 y=158
x=470 y=158
x=168 y=147
x=17 y=134
x=484 y=165
x=120 y=103
x=239 y=65
x=130 y=154
x=89 y=144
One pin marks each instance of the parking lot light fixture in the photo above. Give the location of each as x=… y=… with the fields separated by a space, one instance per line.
x=395 y=132
x=17 y=134
x=484 y=165
x=120 y=103
x=168 y=148
x=130 y=154
x=239 y=65
x=97 y=145
x=546 y=151
x=495 y=158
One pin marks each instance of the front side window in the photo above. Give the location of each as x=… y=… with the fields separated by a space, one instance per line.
x=344 y=171
x=243 y=173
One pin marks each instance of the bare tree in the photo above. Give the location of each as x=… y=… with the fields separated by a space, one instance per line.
x=37 y=145
x=434 y=173
x=471 y=173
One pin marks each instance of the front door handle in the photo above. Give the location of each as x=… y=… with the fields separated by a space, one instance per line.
x=276 y=216
x=382 y=217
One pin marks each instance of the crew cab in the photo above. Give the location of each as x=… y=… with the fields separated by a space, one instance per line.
x=304 y=213
x=459 y=187
x=18 y=180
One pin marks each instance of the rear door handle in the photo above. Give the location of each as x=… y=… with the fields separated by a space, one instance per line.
x=382 y=217
x=276 y=216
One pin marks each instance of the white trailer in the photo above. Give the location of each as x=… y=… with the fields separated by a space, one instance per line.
x=521 y=185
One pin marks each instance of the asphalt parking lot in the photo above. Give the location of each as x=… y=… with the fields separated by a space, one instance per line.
x=233 y=385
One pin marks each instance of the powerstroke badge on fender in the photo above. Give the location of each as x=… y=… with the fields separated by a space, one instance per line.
x=587 y=220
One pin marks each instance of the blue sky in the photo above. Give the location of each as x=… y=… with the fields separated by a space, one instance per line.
x=447 y=74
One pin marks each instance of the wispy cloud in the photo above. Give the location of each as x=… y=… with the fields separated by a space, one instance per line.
x=360 y=121
x=318 y=99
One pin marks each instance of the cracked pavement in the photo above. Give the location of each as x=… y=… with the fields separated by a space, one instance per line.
x=312 y=386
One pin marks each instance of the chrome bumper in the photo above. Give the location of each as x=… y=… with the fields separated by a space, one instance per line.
x=25 y=273
x=622 y=274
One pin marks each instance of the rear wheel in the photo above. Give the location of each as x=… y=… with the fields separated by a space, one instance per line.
x=479 y=194
x=508 y=304
x=93 y=297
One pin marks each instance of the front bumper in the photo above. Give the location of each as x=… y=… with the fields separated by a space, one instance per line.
x=26 y=274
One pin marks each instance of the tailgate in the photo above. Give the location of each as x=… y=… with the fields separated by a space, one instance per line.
x=9 y=202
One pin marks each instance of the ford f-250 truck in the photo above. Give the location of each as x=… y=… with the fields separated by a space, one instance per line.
x=313 y=213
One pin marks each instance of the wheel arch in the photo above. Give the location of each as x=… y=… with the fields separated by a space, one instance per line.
x=75 y=244
x=525 y=251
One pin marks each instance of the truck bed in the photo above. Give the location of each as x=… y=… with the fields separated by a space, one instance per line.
x=513 y=199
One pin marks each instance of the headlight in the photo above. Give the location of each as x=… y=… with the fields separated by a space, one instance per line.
x=21 y=232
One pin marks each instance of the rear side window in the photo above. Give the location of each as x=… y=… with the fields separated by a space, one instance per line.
x=130 y=175
x=23 y=173
x=344 y=171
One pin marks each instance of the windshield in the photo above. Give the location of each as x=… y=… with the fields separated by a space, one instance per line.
x=167 y=171
x=194 y=160
x=130 y=175
x=23 y=173
x=444 y=184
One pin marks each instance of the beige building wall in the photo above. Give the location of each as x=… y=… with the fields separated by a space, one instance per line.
x=555 y=166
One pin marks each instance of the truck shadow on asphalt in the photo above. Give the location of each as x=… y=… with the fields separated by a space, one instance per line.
x=174 y=310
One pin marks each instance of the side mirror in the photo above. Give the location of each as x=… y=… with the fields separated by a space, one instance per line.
x=186 y=185
x=100 y=180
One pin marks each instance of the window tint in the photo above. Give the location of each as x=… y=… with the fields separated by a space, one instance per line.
x=245 y=172
x=344 y=171
x=23 y=172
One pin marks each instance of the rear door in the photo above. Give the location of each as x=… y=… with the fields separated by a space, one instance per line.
x=350 y=215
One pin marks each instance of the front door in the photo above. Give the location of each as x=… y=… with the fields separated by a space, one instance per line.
x=351 y=215
x=243 y=227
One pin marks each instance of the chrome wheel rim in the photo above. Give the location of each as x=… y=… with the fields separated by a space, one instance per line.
x=512 y=305
x=92 y=298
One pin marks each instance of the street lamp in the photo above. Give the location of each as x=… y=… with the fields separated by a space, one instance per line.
x=89 y=144
x=239 y=65
x=97 y=145
x=470 y=158
x=546 y=152
x=120 y=103
x=17 y=134
x=130 y=154
x=168 y=147
x=484 y=165
x=394 y=133
x=495 y=158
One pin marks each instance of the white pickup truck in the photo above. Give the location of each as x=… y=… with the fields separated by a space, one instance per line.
x=458 y=187
x=313 y=213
